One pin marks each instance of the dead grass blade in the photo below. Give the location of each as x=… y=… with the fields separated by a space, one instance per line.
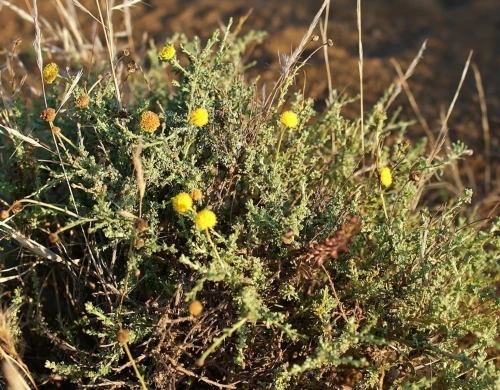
x=17 y=134
x=71 y=89
x=32 y=246
x=141 y=181
x=444 y=127
x=486 y=128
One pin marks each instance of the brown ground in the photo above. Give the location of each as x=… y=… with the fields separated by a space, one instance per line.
x=391 y=29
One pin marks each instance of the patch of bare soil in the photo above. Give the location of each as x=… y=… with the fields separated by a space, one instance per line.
x=392 y=29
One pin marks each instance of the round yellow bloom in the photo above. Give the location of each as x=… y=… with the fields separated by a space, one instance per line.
x=386 y=177
x=167 y=53
x=182 y=202
x=205 y=219
x=289 y=119
x=195 y=308
x=50 y=72
x=149 y=121
x=199 y=117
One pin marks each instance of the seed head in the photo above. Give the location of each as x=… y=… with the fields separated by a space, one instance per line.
x=48 y=115
x=385 y=177
x=126 y=52
x=4 y=214
x=132 y=67
x=199 y=117
x=55 y=130
x=140 y=225
x=315 y=38
x=53 y=238
x=205 y=219
x=196 y=195
x=16 y=207
x=149 y=121
x=83 y=101
x=289 y=119
x=139 y=243
x=167 y=53
x=195 y=308
x=182 y=202
x=50 y=72
x=415 y=176
x=122 y=335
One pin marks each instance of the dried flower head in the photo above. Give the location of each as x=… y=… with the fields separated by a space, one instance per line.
x=149 y=121
x=83 y=101
x=289 y=119
x=195 y=308
x=415 y=176
x=16 y=207
x=53 y=238
x=4 y=214
x=122 y=335
x=196 y=195
x=132 y=67
x=182 y=202
x=140 y=225
x=167 y=53
x=126 y=52
x=199 y=117
x=48 y=115
x=50 y=72
x=385 y=177
x=315 y=38
x=139 y=243
x=55 y=130
x=205 y=219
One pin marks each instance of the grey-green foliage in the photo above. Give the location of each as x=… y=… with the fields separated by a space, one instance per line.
x=415 y=284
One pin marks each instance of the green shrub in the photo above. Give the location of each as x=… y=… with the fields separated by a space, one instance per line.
x=316 y=275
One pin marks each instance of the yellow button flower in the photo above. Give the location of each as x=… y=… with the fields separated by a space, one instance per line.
x=386 y=177
x=50 y=72
x=199 y=117
x=149 y=121
x=289 y=119
x=205 y=219
x=182 y=202
x=167 y=53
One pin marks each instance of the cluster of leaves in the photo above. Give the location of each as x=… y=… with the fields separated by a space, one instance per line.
x=408 y=301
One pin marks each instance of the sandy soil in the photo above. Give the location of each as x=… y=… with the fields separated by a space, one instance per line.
x=391 y=29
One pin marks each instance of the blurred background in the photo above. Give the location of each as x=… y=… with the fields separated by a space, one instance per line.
x=392 y=30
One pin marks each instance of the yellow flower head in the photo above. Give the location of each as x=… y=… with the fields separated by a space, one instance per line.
x=182 y=202
x=289 y=119
x=386 y=177
x=205 y=219
x=149 y=121
x=199 y=117
x=50 y=72
x=167 y=53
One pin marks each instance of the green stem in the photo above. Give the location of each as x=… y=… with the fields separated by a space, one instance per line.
x=132 y=361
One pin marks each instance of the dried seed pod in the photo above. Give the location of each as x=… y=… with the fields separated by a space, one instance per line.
x=122 y=335
x=140 y=225
x=415 y=176
x=132 y=67
x=55 y=130
x=53 y=238
x=48 y=115
x=196 y=195
x=195 y=308
x=4 y=214
x=139 y=243
x=83 y=101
